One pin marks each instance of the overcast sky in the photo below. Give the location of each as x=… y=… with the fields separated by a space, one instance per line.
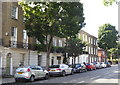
x=96 y=14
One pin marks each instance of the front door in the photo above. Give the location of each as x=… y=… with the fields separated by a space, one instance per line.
x=8 y=64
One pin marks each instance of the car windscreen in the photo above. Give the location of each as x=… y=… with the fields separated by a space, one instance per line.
x=54 y=66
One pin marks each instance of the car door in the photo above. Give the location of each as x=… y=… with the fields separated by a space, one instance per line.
x=33 y=71
x=40 y=72
x=68 y=69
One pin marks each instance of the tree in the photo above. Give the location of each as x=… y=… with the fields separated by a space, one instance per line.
x=108 y=2
x=74 y=47
x=44 y=20
x=107 y=37
x=113 y=52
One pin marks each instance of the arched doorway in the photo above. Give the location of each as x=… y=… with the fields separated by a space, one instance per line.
x=8 y=64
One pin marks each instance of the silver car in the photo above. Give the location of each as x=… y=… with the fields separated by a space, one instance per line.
x=30 y=73
x=97 y=64
x=61 y=69
x=103 y=64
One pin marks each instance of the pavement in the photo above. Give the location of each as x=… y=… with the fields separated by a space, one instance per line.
x=7 y=80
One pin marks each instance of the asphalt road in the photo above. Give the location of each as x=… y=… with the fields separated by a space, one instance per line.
x=105 y=75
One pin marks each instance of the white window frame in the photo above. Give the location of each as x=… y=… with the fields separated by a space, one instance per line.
x=89 y=39
x=14 y=37
x=14 y=32
x=25 y=39
x=54 y=42
x=60 y=43
x=14 y=12
x=24 y=35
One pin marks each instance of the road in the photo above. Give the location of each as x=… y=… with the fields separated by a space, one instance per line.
x=105 y=75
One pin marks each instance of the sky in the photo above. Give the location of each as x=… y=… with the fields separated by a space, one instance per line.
x=96 y=14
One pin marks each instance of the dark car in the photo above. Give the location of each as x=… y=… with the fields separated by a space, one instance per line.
x=108 y=64
x=79 y=68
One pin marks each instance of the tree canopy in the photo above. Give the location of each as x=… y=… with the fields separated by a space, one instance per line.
x=107 y=36
x=44 y=20
x=108 y=2
x=74 y=47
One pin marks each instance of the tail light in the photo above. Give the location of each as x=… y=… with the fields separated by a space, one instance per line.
x=28 y=70
x=58 y=69
x=48 y=69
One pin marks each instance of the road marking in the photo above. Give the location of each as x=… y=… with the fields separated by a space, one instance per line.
x=65 y=82
x=106 y=81
x=94 y=77
x=81 y=82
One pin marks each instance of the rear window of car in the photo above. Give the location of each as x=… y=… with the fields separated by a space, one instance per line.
x=87 y=64
x=77 y=65
x=54 y=66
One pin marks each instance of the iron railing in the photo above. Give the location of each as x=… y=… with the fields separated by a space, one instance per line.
x=16 y=44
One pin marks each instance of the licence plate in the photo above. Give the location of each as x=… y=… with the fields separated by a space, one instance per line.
x=20 y=72
x=52 y=70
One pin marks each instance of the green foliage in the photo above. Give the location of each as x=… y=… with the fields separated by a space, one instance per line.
x=108 y=2
x=56 y=19
x=113 y=52
x=107 y=37
x=58 y=49
x=41 y=47
x=74 y=47
x=61 y=19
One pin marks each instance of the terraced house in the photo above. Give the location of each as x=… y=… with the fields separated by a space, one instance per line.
x=90 y=53
x=91 y=48
x=16 y=48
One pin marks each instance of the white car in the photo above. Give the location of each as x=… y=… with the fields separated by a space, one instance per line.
x=61 y=69
x=30 y=73
x=103 y=64
x=97 y=64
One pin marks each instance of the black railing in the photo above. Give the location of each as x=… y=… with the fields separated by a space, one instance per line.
x=16 y=44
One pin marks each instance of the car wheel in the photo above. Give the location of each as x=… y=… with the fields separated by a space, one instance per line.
x=85 y=70
x=82 y=70
x=91 y=69
x=63 y=73
x=32 y=79
x=16 y=80
x=72 y=72
x=46 y=76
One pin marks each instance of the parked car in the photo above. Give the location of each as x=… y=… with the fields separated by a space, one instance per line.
x=61 y=69
x=97 y=65
x=103 y=64
x=30 y=73
x=108 y=64
x=90 y=66
x=79 y=68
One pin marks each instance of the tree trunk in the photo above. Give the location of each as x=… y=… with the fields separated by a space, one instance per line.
x=74 y=59
x=48 y=51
